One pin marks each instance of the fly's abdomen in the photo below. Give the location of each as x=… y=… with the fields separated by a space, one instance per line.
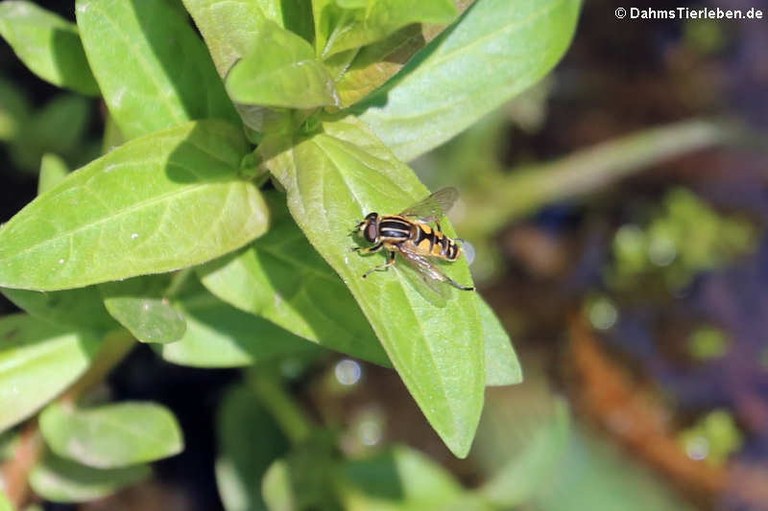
x=434 y=243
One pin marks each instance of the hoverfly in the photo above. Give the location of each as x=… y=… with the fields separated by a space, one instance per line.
x=409 y=234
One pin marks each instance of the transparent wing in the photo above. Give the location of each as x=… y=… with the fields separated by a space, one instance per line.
x=434 y=206
x=429 y=272
x=429 y=277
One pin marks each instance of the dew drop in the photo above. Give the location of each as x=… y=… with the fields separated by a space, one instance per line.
x=134 y=236
x=61 y=261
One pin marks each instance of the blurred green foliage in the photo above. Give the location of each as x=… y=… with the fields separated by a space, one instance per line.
x=685 y=237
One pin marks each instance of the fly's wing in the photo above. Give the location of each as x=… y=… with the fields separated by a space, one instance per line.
x=429 y=274
x=434 y=206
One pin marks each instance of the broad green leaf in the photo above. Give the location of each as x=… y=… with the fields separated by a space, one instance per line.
x=283 y=279
x=305 y=478
x=594 y=474
x=113 y=435
x=400 y=479
x=531 y=469
x=373 y=65
x=59 y=480
x=151 y=66
x=280 y=71
x=156 y=204
x=218 y=335
x=15 y=111
x=53 y=170
x=347 y=25
x=57 y=127
x=48 y=45
x=496 y=50
x=333 y=179
x=229 y=27
x=140 y=305
x=501 y=364
x=242 y=462
x=37 y=361
x=77 y=308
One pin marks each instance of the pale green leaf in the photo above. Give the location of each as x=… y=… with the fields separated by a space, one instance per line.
x=5 y=504
x=333 y=179
x=280 y=71
x=77 y=308
x=241 y=463
x=140 y=305
x=531 y=469
x=59 y=480
x=218 y=335
x=230 y=27
x=398 y=479
x=283 y=279
x=496 y=50
x=37 y=362
x=156 y=204
x=501 y=364
x=151 y=66
x=48 y=45
x=112 y=436
x=348 y=25
x=53 y=170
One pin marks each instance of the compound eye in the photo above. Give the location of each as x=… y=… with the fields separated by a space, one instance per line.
x=371 y=232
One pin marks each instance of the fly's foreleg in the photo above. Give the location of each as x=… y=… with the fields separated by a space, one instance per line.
x=368 y=250
x=383 y=267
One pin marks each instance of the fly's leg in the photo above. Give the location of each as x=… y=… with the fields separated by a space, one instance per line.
x=368 y=250
x=456 y=284
x=383 y=267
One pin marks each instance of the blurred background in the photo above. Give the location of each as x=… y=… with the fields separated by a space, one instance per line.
x=618 y=213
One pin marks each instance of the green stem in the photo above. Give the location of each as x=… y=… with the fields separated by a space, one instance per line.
x=113 y=350
x=288 y=414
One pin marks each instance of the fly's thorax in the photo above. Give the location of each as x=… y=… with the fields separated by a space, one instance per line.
x=395 y=229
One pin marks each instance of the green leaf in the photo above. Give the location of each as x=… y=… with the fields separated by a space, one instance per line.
x=282 y=278
x=59 y=480
x=78 y=308
x=496 y=50
x=153 y=70
x=532 y=468
x=398 y=479
x=58 y=127
x=230 y=27
x=305 y=478
x=242 y=462
x=113 y=435
x=53 y=170
x=333 y=180
x=37 y=361
x=218 y=335
x=156 y=204
x=140 y=305
x=15 y=111
x=280 y=71
x=351 y=24
x=374 y=64
x=47 y=44
x=501 y=364
x=5 y=504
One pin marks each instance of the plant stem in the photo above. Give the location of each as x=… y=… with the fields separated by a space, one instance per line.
x=288 y=414
x=115 y=348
